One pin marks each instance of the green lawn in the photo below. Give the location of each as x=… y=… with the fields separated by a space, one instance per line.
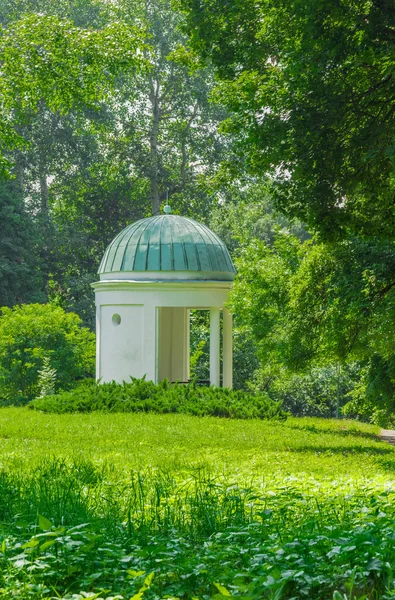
x=298 y=509
x=298 y=447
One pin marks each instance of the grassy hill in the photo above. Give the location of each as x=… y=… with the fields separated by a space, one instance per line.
x=96 y=503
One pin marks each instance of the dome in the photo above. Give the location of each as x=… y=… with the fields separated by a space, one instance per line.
x=167 y=247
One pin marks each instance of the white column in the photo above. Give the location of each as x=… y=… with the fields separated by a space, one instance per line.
x=227 y=350
x=187 y=344
x=214 y=346
x=179 y=364
x=149 y=343
x=98 y=334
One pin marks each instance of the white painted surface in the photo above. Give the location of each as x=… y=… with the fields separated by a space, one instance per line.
x=149 y=343
x=214 y=346
x=98 y=344
x=173 y=355
x=227 y=349
x=121 y=346
x=202 y=294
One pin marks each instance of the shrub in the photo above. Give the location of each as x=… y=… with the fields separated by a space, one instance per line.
x=322 y=392
x=145 y=396
x=31 y=332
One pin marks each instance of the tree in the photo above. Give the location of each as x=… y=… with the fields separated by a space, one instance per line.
x=47 y=60
x=89 y=173
x=32 y=332
x=169 y=128
x=54 y=79
x=20 y=277
x=311 y=91
x=315 y=305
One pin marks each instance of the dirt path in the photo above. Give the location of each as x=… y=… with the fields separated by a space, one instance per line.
x=388 y=435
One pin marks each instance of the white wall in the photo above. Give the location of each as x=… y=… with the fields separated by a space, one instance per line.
x=173 y=344
x=121 y=346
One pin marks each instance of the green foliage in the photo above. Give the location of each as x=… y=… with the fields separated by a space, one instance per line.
x=46 y=59
x=84 y=156
x=248 y=213
x=316 y=305
x=294 y=559
x=301 y=508
x=343 y=300
x=261 y=294
x=145 y=396
x=321 y=392
x=20 y=277
x=31 y=332
x=309 y=88
x=373 y=398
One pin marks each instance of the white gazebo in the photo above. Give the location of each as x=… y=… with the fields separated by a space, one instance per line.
x=152 y=274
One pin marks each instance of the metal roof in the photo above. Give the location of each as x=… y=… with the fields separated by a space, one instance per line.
x=167 y=243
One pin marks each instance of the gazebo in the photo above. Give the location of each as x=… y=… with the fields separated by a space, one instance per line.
x=152 y=274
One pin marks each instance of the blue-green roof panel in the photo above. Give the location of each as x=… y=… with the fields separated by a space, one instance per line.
x=167 y=243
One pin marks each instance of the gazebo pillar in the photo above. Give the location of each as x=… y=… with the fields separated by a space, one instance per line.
x=148 y=342
x=227 y=350
x=214 y=346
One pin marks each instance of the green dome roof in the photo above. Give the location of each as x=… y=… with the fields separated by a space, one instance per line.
x=168 y=243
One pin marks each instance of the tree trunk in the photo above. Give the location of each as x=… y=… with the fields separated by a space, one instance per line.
x=153 y=171
x=44 y=193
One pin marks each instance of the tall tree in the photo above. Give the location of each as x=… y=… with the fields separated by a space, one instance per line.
x=47 y=60
x=20 y=277
x=49 y=69
x=169 y=127
x=311 y=89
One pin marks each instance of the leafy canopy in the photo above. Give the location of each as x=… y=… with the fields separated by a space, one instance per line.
x=47 y=60
x=314 y=305
x=311 y=90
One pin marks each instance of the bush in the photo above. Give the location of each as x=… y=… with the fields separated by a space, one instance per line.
x=145 y=396
x=33 y=332
x=320 y=393
x=373 y=397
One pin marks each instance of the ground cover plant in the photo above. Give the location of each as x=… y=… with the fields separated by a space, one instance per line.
x=148 y=505
x=145 y=396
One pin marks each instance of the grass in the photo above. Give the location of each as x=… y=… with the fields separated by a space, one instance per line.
x=178 y=442
x=299 y=509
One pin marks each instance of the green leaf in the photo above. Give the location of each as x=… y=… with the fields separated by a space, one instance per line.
x=222 y=590
x=135 y=573
x=31 y=544
x=148 y=579
x=47 y=544
x=44 y=523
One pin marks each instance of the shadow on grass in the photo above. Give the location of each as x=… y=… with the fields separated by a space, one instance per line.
x=340 y=432
x=354 y=449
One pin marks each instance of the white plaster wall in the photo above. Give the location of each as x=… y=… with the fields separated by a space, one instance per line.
x=187 y=295
x=121 y=346
x=173 y=344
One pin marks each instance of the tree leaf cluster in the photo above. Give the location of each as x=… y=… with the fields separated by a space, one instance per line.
x=310 y=88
